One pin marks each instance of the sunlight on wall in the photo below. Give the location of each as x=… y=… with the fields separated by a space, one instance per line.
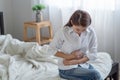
x=91 y=4
x=59 y=3
x=100 y=4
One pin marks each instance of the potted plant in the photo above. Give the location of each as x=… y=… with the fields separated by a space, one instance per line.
x=38 y=8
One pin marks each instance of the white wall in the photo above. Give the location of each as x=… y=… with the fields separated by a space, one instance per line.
x=16 y=12
x=22 y=12
x=6 y=8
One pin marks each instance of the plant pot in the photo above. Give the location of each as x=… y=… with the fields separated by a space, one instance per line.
x=38 y=16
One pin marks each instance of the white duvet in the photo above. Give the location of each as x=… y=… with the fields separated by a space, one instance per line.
x=28 y=61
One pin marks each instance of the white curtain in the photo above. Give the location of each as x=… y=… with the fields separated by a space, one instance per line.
x=105 y=19
x=116 y=26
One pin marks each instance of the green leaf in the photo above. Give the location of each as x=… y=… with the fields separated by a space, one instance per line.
x=38 y=7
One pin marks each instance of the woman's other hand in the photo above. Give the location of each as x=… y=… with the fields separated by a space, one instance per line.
x=78 y=54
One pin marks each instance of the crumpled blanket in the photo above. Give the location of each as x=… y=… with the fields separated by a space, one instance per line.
x=21 y=60
x=14 y=52
x=28 y=50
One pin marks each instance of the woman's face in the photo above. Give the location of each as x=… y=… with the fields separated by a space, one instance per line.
x=79 y=29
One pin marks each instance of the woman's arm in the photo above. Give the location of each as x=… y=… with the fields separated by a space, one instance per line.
x=77 y=54
x=65 y=56
x=75 y=61
x=79 y=58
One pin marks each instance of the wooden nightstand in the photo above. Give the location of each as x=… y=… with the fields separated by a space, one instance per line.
x=37 y=26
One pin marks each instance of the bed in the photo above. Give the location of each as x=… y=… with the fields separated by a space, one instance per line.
x=114 y=73
x=28 y=61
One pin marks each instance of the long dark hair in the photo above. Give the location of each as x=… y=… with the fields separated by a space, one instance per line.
x=79 y=18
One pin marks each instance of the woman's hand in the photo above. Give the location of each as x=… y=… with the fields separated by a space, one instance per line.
x=75 y=61
x=77 y=54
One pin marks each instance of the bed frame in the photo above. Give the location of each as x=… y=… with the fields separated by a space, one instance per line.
x=1 y=23
x=114 y=74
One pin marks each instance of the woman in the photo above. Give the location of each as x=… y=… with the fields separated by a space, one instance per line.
x=75 y=44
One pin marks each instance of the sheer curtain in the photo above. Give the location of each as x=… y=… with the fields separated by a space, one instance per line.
x=116 y=21
x=105 y=19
